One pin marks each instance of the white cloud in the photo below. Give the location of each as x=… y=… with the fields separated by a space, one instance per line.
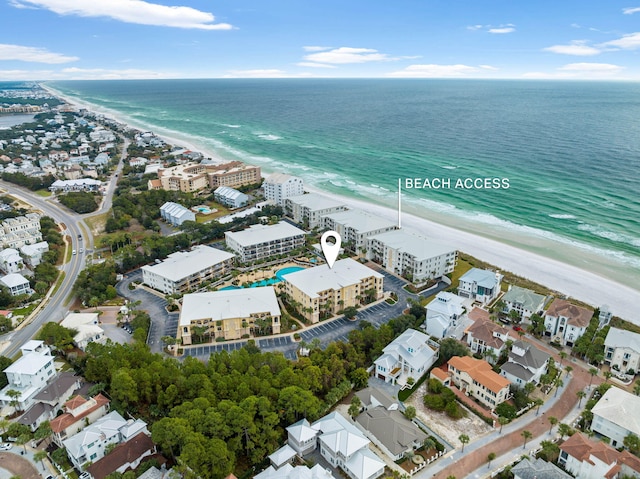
x=488 y=67
x=579 y=71
x=591 y=68
x=315 y=48
x=131 y=11
x=82 y=74
x=627 y=42
x=315 y=65
x=502 y=30
x=437 y=71
x=345 y=55
x=263 y=73
x=32 y=54
x=577 y=47
x=630 y=10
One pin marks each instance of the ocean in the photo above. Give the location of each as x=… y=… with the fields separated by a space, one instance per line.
x=569 y=150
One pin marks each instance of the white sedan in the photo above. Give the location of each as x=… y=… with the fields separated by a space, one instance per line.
x=6 y=446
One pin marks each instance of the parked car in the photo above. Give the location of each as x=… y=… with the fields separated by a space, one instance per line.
x=6 y=446
x=517 y=328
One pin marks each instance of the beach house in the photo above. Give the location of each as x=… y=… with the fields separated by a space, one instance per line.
x=87 y=327
x=616 y=415
x=565 y=322
x=176 y=214
x=525 y=364
x=480 y=285
x=622 y=351
x=476 y=378
x=488 y=339
x=410 y=355
x=443 y=313
x=230 y=197
x=523 y=301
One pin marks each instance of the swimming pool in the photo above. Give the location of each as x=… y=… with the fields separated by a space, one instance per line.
x=267 y=282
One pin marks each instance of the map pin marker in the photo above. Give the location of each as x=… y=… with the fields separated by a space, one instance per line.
x=330 y=250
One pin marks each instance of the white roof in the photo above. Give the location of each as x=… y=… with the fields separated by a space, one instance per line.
x=301 y=431
x=620 y=408
x=364 y=463
x=73 y=320
x=340 y=435
x=29 y=364
x=418 y=246
x=230 y=193
x=87 y=331
x=257 y=234
x=78 y=182
x=106 y=427
x=618 y=338
x=446 y=304
x=277 y=178
x=282 y=455
x=229 y=304
x=482 y=277
x=361 y=221
x=185 y=263
x=8 y=253
x=14 y=279
x=31 y=249
x=299 y=472
x=315 y=201
x=412 y=347
x=345 y=272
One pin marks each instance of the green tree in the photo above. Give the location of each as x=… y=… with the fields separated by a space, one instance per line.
x=490 y=457
x=449 y=348
x=354 y=408
x=538 y=402
x=632 y=442
x=564 y=430
x=360 y=378
x=410 y=413
x=552 y=422
x=503 y=420
x=526 y=436
x=464 y=439
x=59 y=337
x=593 y=372
x=581 y=395
x=40 y=456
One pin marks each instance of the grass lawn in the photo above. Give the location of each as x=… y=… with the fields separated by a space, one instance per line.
x=43 y=193
x=26 y=311
x=462 y=267
x=96 y=223
x=222 y=211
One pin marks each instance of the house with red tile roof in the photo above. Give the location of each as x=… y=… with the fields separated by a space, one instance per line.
x=476 y=378
x=125 y=456
x=78 y=412
x=566 y=322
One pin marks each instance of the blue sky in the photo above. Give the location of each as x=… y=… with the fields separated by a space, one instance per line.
x=114 y=39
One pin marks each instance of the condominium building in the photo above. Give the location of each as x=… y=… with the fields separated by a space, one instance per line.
x=477 y=379
x=309 y=209
x=230 y=197
x=176 y=214
x=355 y=226
x=20 y=231
x=411 y=255
x=193 y=177
x=233 y=174
x=188 y=178
x=279 y=186
x=332 y=289
x=186 y=270
x=263 y=241
x=229 y=314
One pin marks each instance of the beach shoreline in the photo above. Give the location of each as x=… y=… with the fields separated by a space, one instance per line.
x=570 y=280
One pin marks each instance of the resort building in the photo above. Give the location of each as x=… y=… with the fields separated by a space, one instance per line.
x=410 y=355
x=443 y=313
x=28 y=375
x=566 y=322
x=263 y=241
x=480 y=285
x=193 y=177
x=526 y=364
x=587 y=459
x=78 y=412
x=622 y=351
x=524 y=301
x=488 y=339
x=176 y=214
x=331 y=290
x=186 y=270
x=356 y=226
x=279 y=186
x=229 y=314
x=86 y=325
x=33 y=253
x=230 y=197
x=20 y=231
x=233 y=174
x=477 y=379
x=16 y=284
x=309 y=209
x=616 y=415
x=411 y=255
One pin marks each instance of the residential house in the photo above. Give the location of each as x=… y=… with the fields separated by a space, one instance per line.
x=78 y=412
x=355 y=226
x=476 y=378
x=410 y=355
x=443 y=312
x=622 y=350
x=587 y=459
x=288 y=471
x=537 y=469
x=176 y=214
x=10 y=261
x=481 y=285
x=285 y=455
x=526 y=364
x=28 y=375
x=302 y=437
x=185 y=271
x=488 y=339
x=86 y=325
x=229 y=314
x=279 y=186
x=371 y=397
x=33 y=253
x=310 y=208
x=411 y=255
x=566 y=322
x=332 y=289
x=89 y=445
x=616 y=415
x=17 y=284
x=230 y=197
x=523 y=301
x=125 y=456
x=264 y=241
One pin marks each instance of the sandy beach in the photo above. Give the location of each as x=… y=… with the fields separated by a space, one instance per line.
x=569 y=280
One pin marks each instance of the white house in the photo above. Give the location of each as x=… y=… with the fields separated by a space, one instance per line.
x=33 y=252
x=524 y=301
x=566 y=322
x=622 y=350
x=302 y=437
x=526 y=364
x=230 y=197
x=17 y=284
x=279 y=186
x=408 y=356
x=616 y=415
x=443 y=312
x=355 y=226
x=263 y=241
x=288 y=471
x=588 y=459
x=176 y=214
x=89 y=444
x=28 y=375
x=309 y=209
x=86 y=325
x=10 y=261
x=480 y=285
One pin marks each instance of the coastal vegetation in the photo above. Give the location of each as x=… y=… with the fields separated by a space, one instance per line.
x=79 y=201
x=33 y=183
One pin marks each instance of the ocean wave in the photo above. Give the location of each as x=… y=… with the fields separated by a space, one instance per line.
x=268 y=137
x=610 y=235
x=449 y=167
x=231 y=126
x=560 y=216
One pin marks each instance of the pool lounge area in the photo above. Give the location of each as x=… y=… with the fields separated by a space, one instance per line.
x=268 y=282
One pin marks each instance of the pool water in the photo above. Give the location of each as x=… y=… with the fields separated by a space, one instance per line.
x=267 y=282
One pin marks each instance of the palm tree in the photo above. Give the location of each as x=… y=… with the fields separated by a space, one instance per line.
x=581 y=395
x=429 y=444
x=564 y=430
x=502 y=420
x=490 y=457
x=558 y=384
x=529 y=388
x=568 y=369
x=40 y=456
x=593 y=372
x=14 y=395
x=464 y=439
x=563 y=356
x=538 y=402
x=553 y=421
x=526 y=435
x=607 y=375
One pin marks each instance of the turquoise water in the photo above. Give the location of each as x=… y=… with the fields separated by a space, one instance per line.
x=268 y=282
x=571 y=150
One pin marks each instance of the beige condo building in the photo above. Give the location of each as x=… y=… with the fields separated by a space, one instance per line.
x=193 y=177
